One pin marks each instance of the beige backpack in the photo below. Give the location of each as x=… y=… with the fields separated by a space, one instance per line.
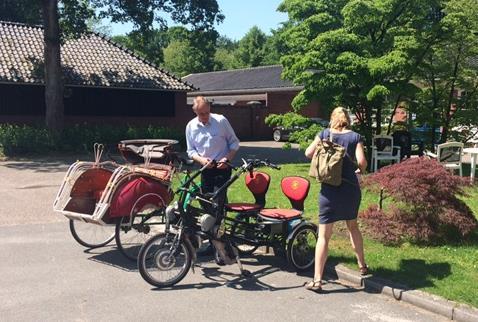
x=326 y=164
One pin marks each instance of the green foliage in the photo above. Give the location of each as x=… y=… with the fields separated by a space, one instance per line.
x=224 y=58
x=177 y=49
x=287 y=120
x=271 y=53
x=449 y=66
x=250 y=51
x=201 y=15
x=358 y=54
x=74 y=16
x=24 y=11
x=182 y=58
x=306 y=129
x=305 y=136
x=147 y=45
x=21 y=139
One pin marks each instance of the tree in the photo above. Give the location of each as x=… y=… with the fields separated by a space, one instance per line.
x=250 y=51
x=23 y=11
x=359 y=54
x=149 y=46
x=70 y=17
x=449 y=68
x=190 y=51
x=224 y=58
x=272 y=53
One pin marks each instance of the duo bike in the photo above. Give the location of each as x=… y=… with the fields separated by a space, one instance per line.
x=233 y=229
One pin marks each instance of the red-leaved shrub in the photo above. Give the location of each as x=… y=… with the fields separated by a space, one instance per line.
x=432 y=212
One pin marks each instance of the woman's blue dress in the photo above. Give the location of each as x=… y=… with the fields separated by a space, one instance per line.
x=341 y=202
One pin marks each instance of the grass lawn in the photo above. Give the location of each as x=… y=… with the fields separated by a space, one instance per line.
x=450 y=271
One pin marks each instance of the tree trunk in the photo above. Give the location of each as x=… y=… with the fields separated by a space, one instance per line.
x=447 y=115
x=53 y=72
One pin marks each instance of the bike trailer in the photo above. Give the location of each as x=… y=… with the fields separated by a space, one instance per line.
x=100 y=192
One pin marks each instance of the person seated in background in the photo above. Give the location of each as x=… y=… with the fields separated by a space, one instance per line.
x=400 y=119
x=400 y=131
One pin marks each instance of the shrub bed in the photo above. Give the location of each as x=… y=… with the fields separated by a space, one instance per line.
x=21 y=139
x=426 y=207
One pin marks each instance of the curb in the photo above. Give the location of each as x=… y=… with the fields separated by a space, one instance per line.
x=435 y=304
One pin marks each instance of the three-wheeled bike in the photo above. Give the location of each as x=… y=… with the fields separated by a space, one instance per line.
x=166 y=258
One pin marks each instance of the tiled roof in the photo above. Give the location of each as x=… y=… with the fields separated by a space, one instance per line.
x=92 y=60
x=239 y=79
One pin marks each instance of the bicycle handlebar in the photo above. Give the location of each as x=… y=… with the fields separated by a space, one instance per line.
x=250 y=164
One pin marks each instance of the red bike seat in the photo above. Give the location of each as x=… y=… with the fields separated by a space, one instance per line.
x=258 y=184
x=286 y=214
x=296 y=190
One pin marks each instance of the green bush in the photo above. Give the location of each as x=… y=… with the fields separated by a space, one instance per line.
x=21 y=139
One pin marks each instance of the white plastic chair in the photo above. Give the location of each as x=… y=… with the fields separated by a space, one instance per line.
x=383 y=149
x=450 y=155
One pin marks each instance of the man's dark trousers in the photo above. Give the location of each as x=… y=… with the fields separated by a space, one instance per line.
x=212 y=180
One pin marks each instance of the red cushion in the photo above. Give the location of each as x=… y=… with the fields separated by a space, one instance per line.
x=238 y=207
x=281 y=213
x=97 y=194
x=134 y=194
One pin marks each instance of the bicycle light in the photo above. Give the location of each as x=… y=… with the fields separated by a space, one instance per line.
x=207 y=222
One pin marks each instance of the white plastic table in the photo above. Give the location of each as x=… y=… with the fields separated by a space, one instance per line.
x=474 y=156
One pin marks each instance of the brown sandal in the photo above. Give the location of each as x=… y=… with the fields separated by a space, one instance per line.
x=363 y=270
x=314 y=286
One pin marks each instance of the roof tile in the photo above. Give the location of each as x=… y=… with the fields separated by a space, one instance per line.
x=91 y=60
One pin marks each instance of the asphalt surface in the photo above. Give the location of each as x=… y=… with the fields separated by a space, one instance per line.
x=46 y=276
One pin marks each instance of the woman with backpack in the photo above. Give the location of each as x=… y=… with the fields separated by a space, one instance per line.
x=339 y=202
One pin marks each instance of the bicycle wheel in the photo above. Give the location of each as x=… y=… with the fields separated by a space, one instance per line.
x=163 y=260
x=130 y=236
x=91 y=235
x=241 y=230
x=301 y=247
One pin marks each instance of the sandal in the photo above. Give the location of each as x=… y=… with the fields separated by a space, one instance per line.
x=363 y=270
x=314 y=286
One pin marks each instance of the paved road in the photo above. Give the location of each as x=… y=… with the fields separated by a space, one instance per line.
x=46 y=276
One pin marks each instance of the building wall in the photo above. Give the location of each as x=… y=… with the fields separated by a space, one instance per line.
x=26 y=104
x=249 y=121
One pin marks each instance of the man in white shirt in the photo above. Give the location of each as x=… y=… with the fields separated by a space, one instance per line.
x=209 y=137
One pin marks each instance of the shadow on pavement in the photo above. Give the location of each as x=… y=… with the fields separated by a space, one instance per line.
x=46 y=164
x=112 y=257
x=416 y=272
x=217 y=275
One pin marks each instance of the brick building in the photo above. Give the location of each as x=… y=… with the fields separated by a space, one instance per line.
x=247 y=96
x=104 y=82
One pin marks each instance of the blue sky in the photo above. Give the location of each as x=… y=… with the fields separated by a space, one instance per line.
x=241 y=15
